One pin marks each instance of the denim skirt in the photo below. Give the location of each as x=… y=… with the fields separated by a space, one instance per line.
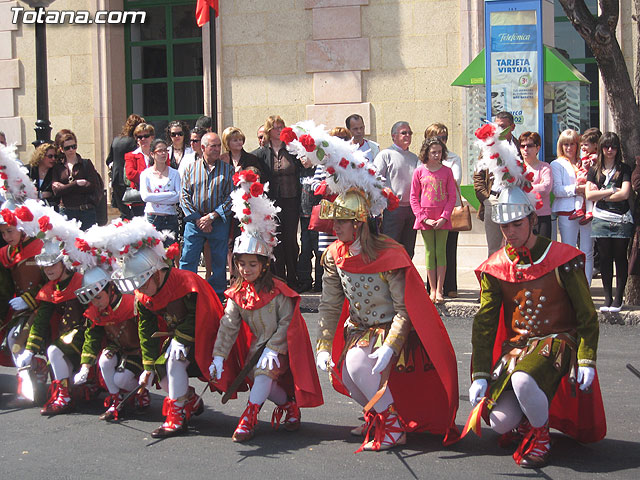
x=603 y=229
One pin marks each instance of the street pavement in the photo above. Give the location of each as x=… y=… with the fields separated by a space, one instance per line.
x=79 y=446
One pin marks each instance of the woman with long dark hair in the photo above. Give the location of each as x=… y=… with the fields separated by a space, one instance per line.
x=177 y=137
x=74 y=181
x=609 y=185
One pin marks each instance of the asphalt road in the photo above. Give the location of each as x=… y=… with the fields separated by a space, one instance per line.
x=80 y=446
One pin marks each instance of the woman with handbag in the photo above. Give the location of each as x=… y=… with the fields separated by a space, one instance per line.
x=74 y=181
x=135 y=163
x=609 y=185
x=542 y=181
x=433 y=196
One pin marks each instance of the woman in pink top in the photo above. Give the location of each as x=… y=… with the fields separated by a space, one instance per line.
x=433 y=196
x=542 y=180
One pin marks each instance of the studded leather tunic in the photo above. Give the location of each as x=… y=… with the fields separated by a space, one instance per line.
x=374 y=300
x=70 y=320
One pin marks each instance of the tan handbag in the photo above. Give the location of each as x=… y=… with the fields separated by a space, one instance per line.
x=461 y=216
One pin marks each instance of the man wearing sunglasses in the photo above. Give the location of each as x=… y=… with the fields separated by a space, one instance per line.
x=397 y=164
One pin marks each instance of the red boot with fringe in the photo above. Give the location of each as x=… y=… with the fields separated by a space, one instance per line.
x=389 y=432
x=111 y=402
x=247 y=426
x=534 y=450
x=175 y=422
x=292 y=418
x=59 y=398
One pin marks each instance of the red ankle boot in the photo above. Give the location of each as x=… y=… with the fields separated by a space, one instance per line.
x=291 y=420
x=248 y=422
x=175 y=422
x=193 y=405
x=59 y=398
x=534 y=450
x=111 y=402
x=387 y=427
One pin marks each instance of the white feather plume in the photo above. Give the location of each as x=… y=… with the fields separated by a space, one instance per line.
x=16 y=183
x=346 y=166
x=254 y=210
x=123 y=239
x=500 y=157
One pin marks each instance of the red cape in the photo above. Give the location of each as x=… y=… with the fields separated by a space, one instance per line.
x=424 y=400
x=10 y=259
x=582 y=416
x=301 y=379
x=208 y=312
x=124 y=311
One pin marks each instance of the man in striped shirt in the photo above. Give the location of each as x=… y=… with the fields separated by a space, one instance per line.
x=206 y=203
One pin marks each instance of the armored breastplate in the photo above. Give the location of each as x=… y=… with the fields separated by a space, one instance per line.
x=26 y=275
x=124 y=334
x=174 y=313
x=369 y=298
x=537 y=308
x=71 y=315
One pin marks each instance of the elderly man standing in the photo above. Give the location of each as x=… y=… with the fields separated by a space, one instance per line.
x=206 y=203
x=397 y=164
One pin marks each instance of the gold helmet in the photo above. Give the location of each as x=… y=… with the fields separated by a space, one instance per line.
x=351 y=205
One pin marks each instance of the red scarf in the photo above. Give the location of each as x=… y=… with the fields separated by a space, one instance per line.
x=12 y=256
x=123 y=311
x=51 y=292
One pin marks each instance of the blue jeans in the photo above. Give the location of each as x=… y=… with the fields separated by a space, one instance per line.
x=398 y=224
x=87 y=218
x=194 y=239
x=165 y=222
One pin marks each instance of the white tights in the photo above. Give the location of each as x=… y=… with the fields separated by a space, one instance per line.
x=264 y=387
x=125 y=380
x=177 y=380
x=526 y=398
x=60 y=364
x=361 y=383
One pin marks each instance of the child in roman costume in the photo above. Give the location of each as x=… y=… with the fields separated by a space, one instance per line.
x=535 y=336
x=58 y=326
x=379 y=333
x=178 y=316
x=284 y=372
x=113 y=322
x=20 y=277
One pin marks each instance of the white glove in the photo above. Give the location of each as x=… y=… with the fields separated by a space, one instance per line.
x=216 y=369
x=17 y=303
x=477 y=390
x=82 y=376
x=585 y=377
x=146 y=378
x=268 y=358
x=176 y=351
x=383 y=354
x=323 y=361
x=24 y=359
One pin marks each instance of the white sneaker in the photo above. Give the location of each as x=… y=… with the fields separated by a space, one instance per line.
x=605 y=309
x=614 y=309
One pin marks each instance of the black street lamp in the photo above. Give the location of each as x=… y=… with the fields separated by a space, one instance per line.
x=43 y=125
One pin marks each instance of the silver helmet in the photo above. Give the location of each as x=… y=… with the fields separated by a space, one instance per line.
x=137 y=269
x=50 y=254
x=513 y=204
x=93 y=282
x=251 y=244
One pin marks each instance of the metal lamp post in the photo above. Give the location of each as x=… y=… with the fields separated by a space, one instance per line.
x=43 y=125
